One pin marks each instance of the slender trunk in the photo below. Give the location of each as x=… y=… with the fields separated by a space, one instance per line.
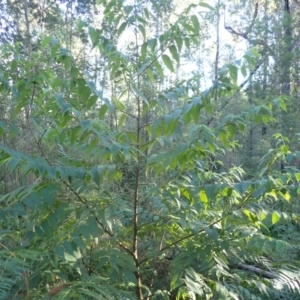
x=113 y=94
x=30 y=178
x=287 y=49
x=286 y=60
x=70 y=13
x=266 y=61
x=217 y=49
x=251 y=126
x=136 y=199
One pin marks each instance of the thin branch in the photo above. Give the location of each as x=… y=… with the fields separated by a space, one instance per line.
x=145 y=125
x=128 y=114
x=46 y=129
x=256 y=270
x=245 y=34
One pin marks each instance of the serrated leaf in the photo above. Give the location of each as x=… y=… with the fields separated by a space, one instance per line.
x=168 y=63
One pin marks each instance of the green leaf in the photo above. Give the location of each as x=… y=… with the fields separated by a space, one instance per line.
x=69 y=258
x=46 y=41
x=168 y=63
x=231 y=129
x=102 y=111
x=67 y=61
x=47 y=228
x=122 y=28
x=203 y=4
x=54 y=49
x=203 y=197
x=159 y=69
x=74 y=73
x=143 y=31
x=80 y=24
x=150 y=75
x=242 y=187
x=95 y=175
x=233 y=71
x=275 y=217
x=179 y=42
x=93 y=227
x=31 y=201
x=196 y=24
x=174 y=52
x=282 y=104
x=152 y=44
x=144 y=50
x=119 y=105
x=92 y=100
x=20 y=209
x=85 y=231
x=122 y=119
x=244 y=71
x=223 y=137
x=187 y=43
x=211 y=232
x=2 y=127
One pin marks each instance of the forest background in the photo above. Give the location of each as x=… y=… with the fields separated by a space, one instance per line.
x=149 y=149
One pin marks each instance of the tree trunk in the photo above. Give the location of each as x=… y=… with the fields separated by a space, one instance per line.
x=286 y=61
x=30 y=178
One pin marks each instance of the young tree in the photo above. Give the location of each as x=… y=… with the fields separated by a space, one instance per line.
x=131 y=198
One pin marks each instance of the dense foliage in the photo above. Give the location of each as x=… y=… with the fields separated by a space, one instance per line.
x=118 y=185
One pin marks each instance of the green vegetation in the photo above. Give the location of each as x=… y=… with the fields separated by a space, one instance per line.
x=123 y=176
